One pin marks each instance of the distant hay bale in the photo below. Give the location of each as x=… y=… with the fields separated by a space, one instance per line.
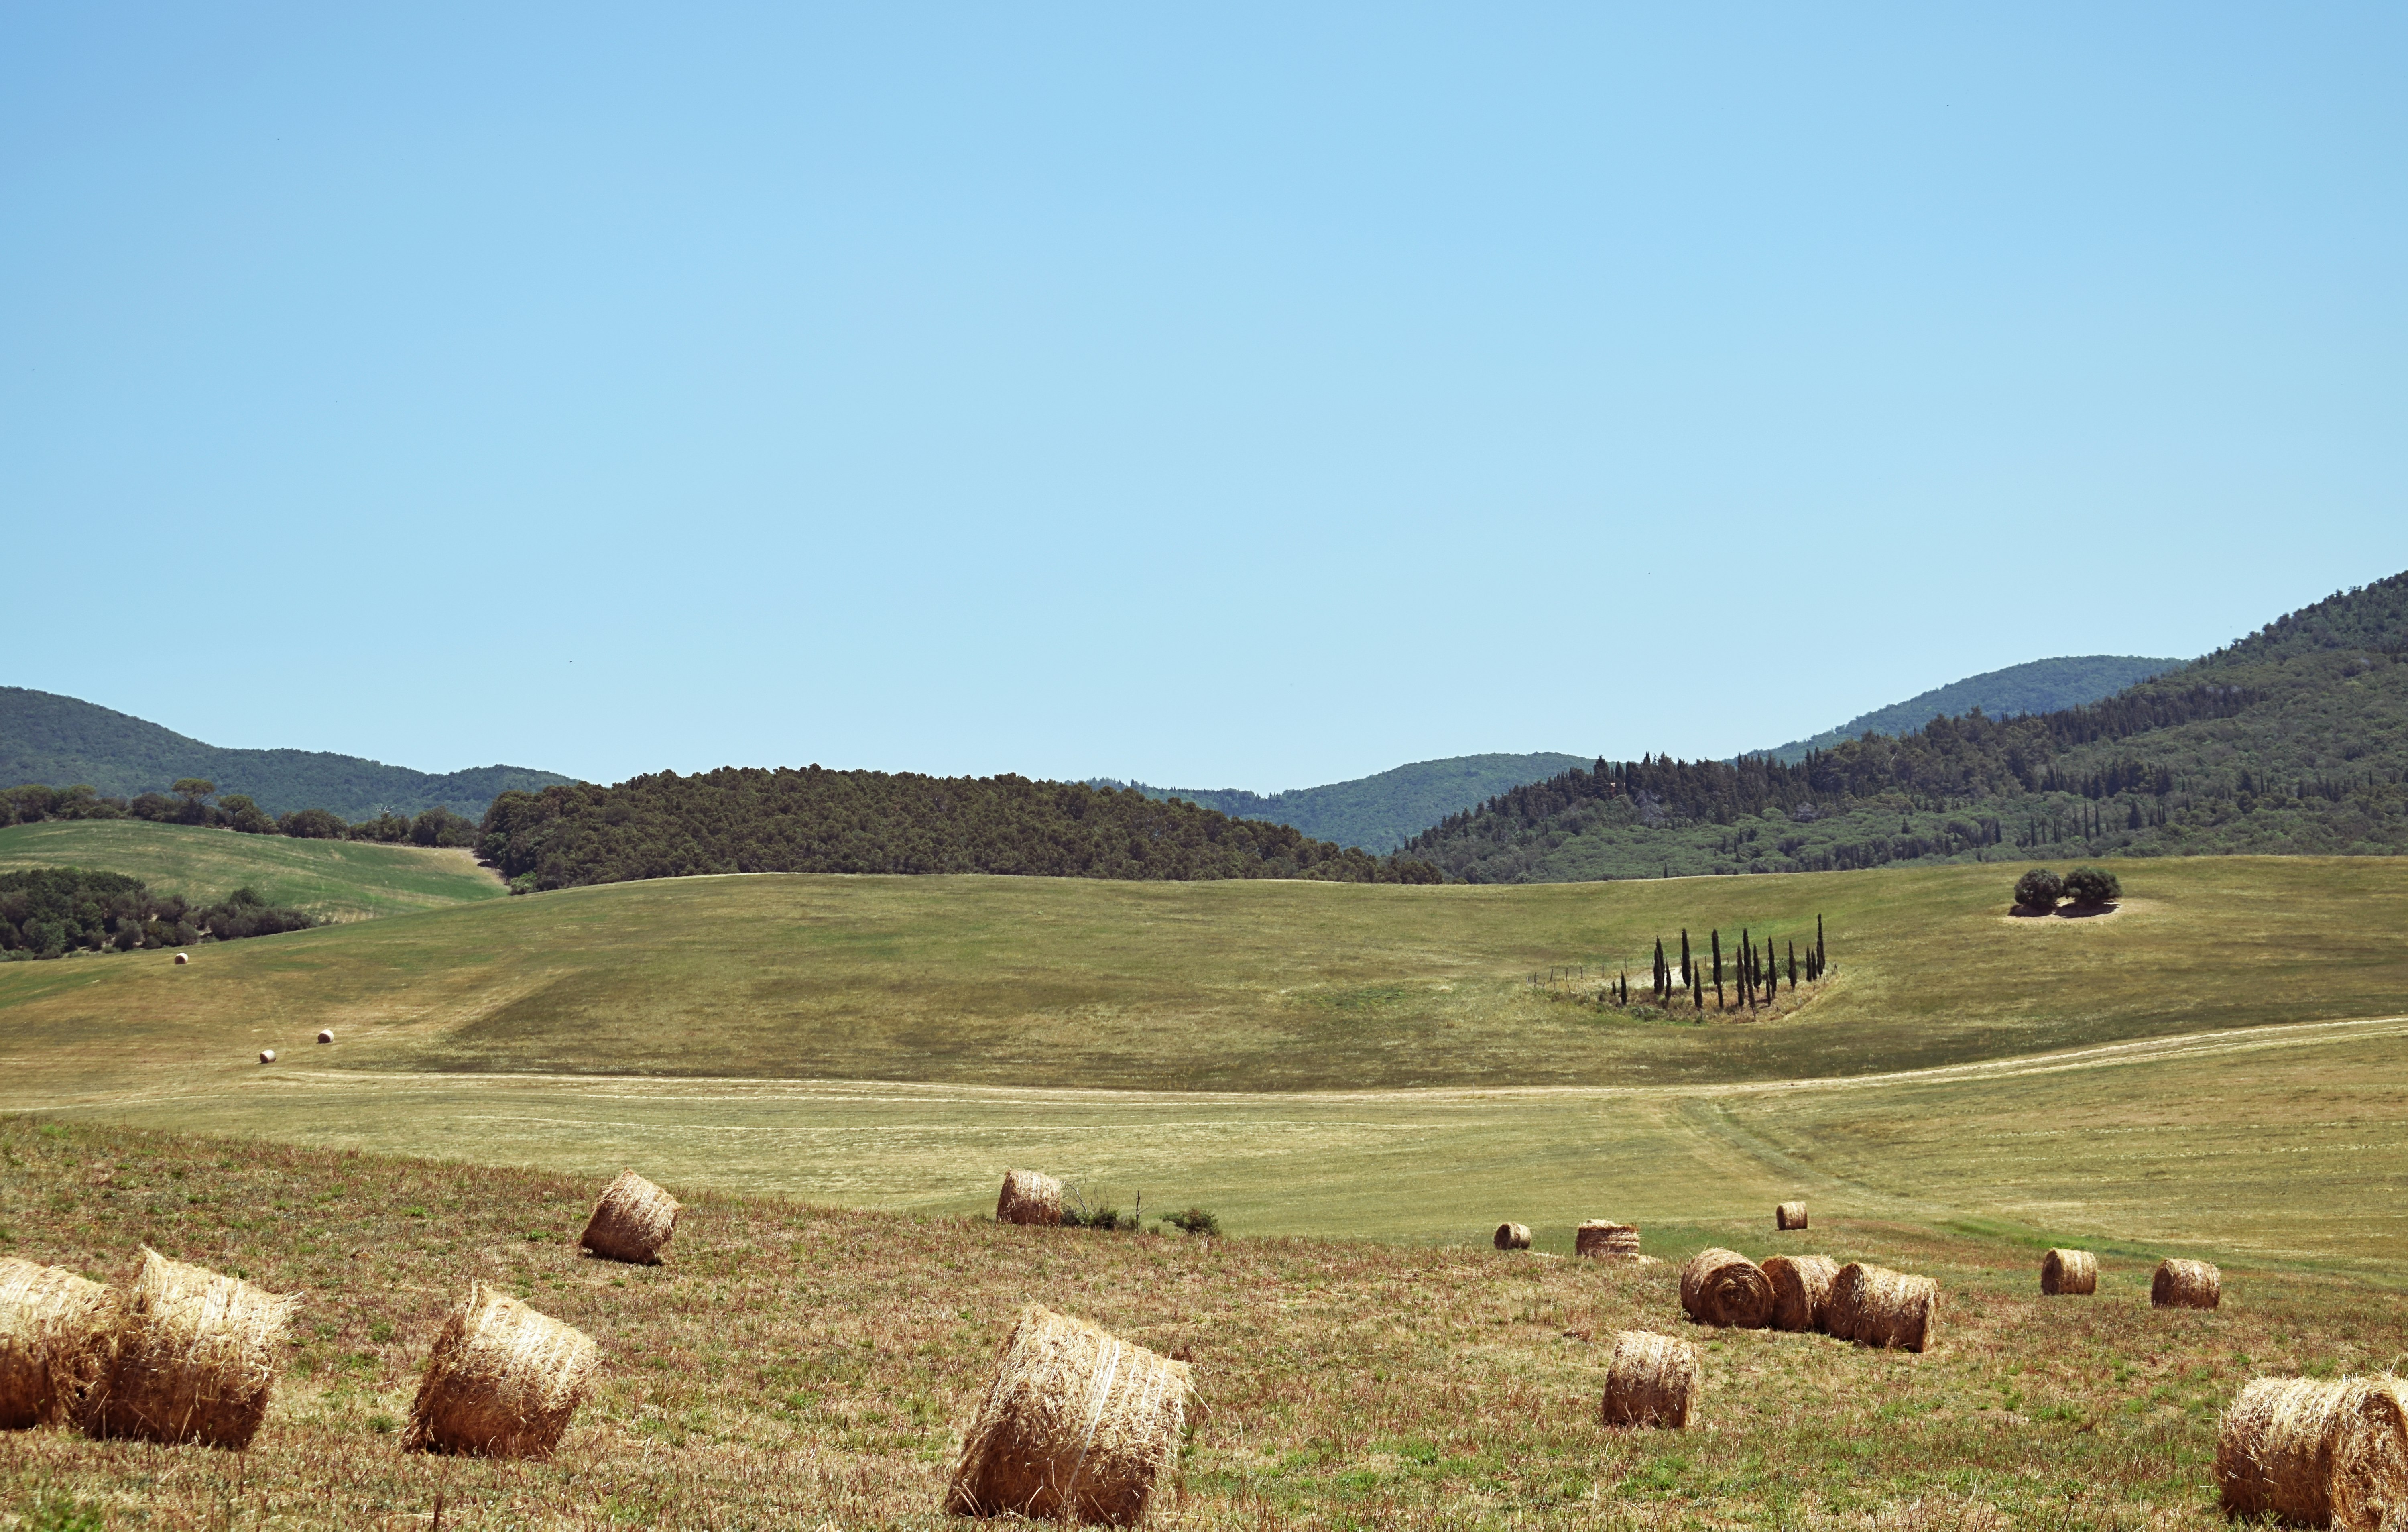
x=55 y=1333
x=1724 y=1287
x=502 y=1380
x=2315 y=1453
x=183 y=958
x=1875 y=1306
x=1028 y=1197
x=632 y=1222
x=2071 y=1273
x=325 y=1037
x=1513 y=1236
x=1076 y=1424
x=1606 y=1240
x=2187 y=1284
x=1789 y=1216
x=1651 y=1380
x=196 y=1359
x=1802 y=1290
x=268 y=1056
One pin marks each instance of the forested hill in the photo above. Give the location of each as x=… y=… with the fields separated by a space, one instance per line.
x=812 y=820
x=2039 y=686
x=1380 y=812
x=63 y=741
x=2292 y=740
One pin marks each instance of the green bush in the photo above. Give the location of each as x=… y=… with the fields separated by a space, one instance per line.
x=2039 y=889
x=1195 y=1221
x=2093 y=886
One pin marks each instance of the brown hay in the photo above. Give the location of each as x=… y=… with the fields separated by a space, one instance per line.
x=2071 y=1273
x=183 y=958
x=1651 y=1380
x=196 y=1359
x=1028 y=1197
x=1513 y=1236
x=1076 y=1424
x=1789 y=1216
x=325 y=1037
x=502 y=1380
x=2322 y=1453
x=1802 y=1290
x=1724 y=1287
x=632 y=1222
x=1602 y=1238
x=2187 y=1284
x=1875 y=1306
x=268 y=1056
x=55 y=1332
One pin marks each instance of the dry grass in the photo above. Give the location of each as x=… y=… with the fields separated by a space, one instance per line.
x=798 y=1367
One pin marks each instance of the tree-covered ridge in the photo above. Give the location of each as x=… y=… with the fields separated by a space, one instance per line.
x=1379 y=812
x=52 y=911
x=813 y=820
x=2039 y=686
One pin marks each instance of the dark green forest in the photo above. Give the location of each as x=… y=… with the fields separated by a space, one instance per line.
x=52 y=911
x=2293 y=740
x=1378 y=813
x=813 y=820
x=2039 y=686
x=190 y=801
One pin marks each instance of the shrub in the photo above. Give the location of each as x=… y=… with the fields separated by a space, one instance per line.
x=1195 y=1221
x=2039 y=889
x=2093 y=886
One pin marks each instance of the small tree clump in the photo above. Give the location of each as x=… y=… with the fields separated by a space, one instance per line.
x=2038 y=890
x=2093 y=886
x=1195 y=1221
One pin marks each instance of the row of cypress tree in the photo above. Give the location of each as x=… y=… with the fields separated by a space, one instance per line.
x=1755 y=973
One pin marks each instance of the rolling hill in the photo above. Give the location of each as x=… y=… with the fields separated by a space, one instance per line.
x=338 y=880
x=60 y=742
x=1378 y=813
x=2039 y=686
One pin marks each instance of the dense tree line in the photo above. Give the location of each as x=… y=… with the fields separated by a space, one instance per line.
x=190 y=803
x=815 y=820
x=52 y=911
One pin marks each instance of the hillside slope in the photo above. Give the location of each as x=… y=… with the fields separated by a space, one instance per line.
x=1378 y=813
x=62 y=741
x=2039 y=686
x=338 y=880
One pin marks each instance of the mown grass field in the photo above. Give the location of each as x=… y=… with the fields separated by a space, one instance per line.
x=341 y=879
x=793 y=1366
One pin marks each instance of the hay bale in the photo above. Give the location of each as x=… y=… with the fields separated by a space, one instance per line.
x=2315 y=1453
x=1789 y=1216
x=2071 y=1273
x=632 y=1222
x=1076 y=1424
x=2186 y=1284
x=1724 y=1287
x=1605 y=1238
x=1028 y=1197
x=1651 y=1380
x=1802 y=1290
x=325 y=1037
x=502 y=1380
x=1513 y=1236
x=183 y=958
x=196 y=1359
x=1873 y=1306
x=268 y=1056
x=55 y=1333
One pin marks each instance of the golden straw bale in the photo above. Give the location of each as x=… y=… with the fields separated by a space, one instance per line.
x=501 y=1382
x=196 y=1359
x=325 y=1037
x=1651 y=1380
x=1724 y=1287
x=632 y=1222
x=2315 y=1453
x=1789 y=1216
x=1513 y=1236
x=1028 y=1197
x=183 y=958
x=55 y=1333
x=1875 y=1306
x=268 y=1056
x=1076 y=1424
x=1603 y=1237
x=2187 y=1284
x=2072 y=1273
x=1802 y=1290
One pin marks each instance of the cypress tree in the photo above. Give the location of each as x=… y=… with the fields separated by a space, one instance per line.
x=1793 y=968
x=1822 y=957
x=1717 y=935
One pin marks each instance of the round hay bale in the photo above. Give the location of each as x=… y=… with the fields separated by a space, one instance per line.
x=183 y=958
x=2322 y=1453
x=196 y=1359
x=1789 y=1216
x=1724 y=1287
x=1603 y=1238
x=502 y=1380
x=1513 y=1236
x=325 y=1037
x=1873 y=1306
x=632 y=1222
x=1651 y=1380
x=1028 y=1197
x=2186 y=1284
x=268 y=1056
x=2071 y=1273
x=1802 y=1290
x=1075 y=1425
x=55 y=1333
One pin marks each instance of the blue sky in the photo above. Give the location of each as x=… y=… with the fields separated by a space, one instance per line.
x=1256 y=398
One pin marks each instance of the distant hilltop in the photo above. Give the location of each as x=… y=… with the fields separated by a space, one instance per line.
x=2038 y=687
x=1377 y=814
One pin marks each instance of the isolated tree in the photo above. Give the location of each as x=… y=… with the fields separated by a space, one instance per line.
x=2091 y=887
x=2038 y=890
x=194 y=788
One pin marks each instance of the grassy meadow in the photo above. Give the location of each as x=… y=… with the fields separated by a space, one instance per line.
x=340 y=880
x=797 y=1366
